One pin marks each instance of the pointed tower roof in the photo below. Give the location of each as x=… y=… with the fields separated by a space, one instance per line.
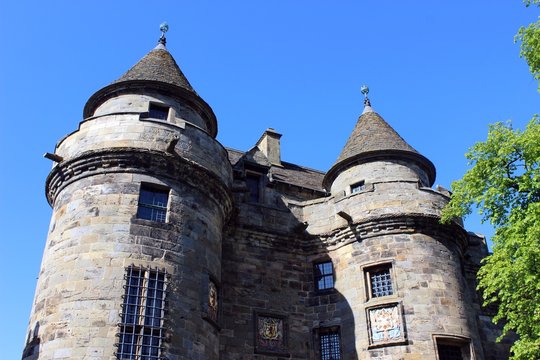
x=373 y=138
x=157 y=65
x=158 y=71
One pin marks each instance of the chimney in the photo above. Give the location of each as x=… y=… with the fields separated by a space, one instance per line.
x=269 y=146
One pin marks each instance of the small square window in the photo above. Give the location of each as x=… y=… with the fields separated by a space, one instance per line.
x=330 y=343
x=323 y=274
x=359 y=186
x=379 y=281
x=253 y=182
x=156 y=111
x=153 y=204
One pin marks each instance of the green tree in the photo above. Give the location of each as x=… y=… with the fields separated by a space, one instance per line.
x=504 y=184
x=529 y=36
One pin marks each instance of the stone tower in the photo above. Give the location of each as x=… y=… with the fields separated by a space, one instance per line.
x=140 y=194
x=163 y=244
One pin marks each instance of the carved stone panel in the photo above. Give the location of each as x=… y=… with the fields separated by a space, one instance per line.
x=270 y=334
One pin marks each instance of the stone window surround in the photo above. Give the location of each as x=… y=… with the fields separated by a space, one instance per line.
x=462 y=342
x=381 y=264
x=160 y=106
x=357 y=187
x=156 y=188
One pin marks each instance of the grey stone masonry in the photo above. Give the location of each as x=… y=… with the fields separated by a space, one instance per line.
x=163 y=244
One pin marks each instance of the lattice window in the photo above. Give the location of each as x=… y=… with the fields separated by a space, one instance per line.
x=141 y=329
x=330 y=344
x=323 y=274
x=380 y=281
x=153 y=204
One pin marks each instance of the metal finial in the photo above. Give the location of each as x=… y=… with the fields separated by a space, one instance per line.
x=164 y=27
x=365 y=90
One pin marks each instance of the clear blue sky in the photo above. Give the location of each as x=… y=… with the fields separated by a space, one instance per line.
x=439 y=73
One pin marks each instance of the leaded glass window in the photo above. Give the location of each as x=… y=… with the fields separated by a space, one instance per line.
x=141 y=329
x=330 y=344
x=323 y=276
x=153 y=204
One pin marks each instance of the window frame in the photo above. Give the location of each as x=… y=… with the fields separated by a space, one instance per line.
x=457 y=341
x=140 y=335
x=357 y=187
x=330 y=331
x=317 y=277
x=371 y=269
x=160 y=209
x=158 y=108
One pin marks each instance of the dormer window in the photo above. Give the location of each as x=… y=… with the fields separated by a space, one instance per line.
x=156 y=111
x=357 y=187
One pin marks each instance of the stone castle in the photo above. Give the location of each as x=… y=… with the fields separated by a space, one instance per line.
x=164 y=244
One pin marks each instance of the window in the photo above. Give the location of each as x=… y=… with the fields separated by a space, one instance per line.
x=152 y=204
x=359 y=186
x=449 y=352
x=379 y=281
x=141 y=328
x=323 y=274
x=156 y=111
x=330 y=343
x=253 y=183
x=453 y=347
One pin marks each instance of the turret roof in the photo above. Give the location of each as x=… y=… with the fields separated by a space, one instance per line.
x=372 y=133
x=157 y=65
x=373 y=137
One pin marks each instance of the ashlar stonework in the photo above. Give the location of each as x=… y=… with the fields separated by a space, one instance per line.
x=164 y=244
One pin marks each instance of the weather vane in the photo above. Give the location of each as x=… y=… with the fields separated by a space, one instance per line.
x=164 y=27
x=365 y=90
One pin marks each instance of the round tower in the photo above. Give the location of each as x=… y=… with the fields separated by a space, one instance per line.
x=401 y=269
x=140 y=193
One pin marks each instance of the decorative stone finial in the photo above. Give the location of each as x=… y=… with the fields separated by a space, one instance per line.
x=365 y=90
x=164 y=27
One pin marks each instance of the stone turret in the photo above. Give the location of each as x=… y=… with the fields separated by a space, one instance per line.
x=396 y=263
x=139 y=197
x=375 y=151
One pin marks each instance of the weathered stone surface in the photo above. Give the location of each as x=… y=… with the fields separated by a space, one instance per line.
x=258 y=255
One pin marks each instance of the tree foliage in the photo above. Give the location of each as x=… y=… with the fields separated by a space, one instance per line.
x=529 y=36
x=504 y=184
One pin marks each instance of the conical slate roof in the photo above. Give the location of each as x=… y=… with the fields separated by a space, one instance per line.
x=157 y=65
x=156 y=71
x=372 y=137
x=372 y=133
